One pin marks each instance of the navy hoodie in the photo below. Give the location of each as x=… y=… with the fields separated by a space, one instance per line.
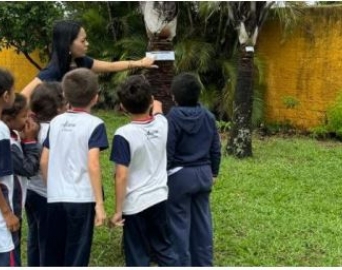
x=193 y=139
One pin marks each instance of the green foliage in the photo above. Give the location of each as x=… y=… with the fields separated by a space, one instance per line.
x=26 y=26
x=334 y=114
x=223 y=126
x=109 y=26
x=194 y=54
x=228 y=90
x=327 y=3
x=258 y=106
x=290 y=102
x=333 y=124
x=206 y=49
x=320 y=132
x=279 y=127
x=259 y=90
x=209 y=97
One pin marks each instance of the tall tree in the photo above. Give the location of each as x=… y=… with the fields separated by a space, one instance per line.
x=26 y=26
x=247 y=18
x=161 y=22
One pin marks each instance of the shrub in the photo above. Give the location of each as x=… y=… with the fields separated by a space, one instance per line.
x=333 y=125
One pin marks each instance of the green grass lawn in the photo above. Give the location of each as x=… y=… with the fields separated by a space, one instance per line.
x=283 y=207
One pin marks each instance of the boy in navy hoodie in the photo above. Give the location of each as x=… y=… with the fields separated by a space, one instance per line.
x=194 y=155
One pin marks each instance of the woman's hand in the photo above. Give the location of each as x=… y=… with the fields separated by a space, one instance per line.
x=147 y=62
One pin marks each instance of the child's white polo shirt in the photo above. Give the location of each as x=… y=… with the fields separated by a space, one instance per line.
x=71 y=135
x=141 y=146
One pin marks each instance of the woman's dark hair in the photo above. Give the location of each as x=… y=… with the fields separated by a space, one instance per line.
x=20 y=103
x=46 y=100
x=63 y=35
x=6 y=81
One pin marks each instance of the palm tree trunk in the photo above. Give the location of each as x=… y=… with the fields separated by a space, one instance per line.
x=240 y=140
x=161 y=78
x=161 y=21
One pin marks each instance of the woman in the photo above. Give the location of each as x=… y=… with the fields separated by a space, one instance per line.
x=69 y=47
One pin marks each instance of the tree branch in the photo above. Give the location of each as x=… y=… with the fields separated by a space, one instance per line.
x=28 y=57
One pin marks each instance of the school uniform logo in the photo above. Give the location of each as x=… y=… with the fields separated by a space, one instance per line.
x=68 y=126
x=152 y=134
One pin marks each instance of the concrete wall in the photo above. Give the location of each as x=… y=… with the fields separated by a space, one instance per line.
x=304 y=69
x=20 y=67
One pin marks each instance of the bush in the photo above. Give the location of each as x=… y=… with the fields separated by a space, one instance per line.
x=334 y=115
x=333 y=125
x=320 y=132
x=223 y=126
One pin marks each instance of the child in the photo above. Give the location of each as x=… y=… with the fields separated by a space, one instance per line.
x=139 y=153
x=193 y=151
x=8 y=221
x=25 y=158
x=70 y=164
x=46 y=102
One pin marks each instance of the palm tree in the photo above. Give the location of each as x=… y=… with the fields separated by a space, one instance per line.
x=247 y=18
x=161 y=22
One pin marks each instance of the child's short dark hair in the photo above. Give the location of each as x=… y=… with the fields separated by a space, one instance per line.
x=135 y=94
x=6 y=81
x=46 y=99
x=20 y=103
x=186 y=89
x=80 y=86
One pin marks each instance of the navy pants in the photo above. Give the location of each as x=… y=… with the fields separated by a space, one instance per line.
x=69 y=240
x=36 y=213
x=190 y=216
x=148 y=232
x=7 y=259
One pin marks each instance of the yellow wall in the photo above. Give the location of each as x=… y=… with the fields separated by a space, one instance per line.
x=305 y=66
x=20 y=67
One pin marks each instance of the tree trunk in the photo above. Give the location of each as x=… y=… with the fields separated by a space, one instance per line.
x=240 y=140
x=161 y=78
x=161 y=22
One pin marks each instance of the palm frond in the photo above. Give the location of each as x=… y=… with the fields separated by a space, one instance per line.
x=209 y=96
x=227 y=93
x=208 y=8
x=289 y=16
x=258 y=105
x=133 y=47
x=194 y=55
x=260 y=65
